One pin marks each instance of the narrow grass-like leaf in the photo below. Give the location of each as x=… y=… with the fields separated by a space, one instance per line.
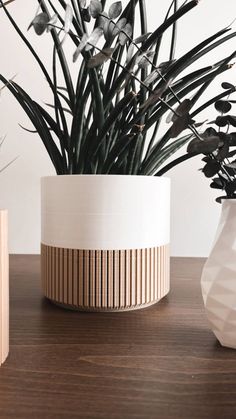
x=166 y=153
x=175 y=162
x=120 y=107
x=121 y=145
x=39 y=123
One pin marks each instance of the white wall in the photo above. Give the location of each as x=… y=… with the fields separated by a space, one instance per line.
x=194 y=212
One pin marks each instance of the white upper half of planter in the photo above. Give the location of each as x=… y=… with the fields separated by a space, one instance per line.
x=105 y=212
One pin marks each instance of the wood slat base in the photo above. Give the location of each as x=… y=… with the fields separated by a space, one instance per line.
x=4 y=287
x=105 y=280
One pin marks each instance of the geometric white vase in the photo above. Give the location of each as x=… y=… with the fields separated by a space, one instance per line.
x=4 y=287
x=105 y=241
x=218 y=280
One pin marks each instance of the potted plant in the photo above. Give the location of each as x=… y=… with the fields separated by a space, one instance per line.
x=4 y=280
x=105 y=218
x=4 y=287
x=218 y=276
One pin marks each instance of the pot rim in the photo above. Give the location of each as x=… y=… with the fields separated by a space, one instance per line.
x=226 y=200
x=102 y=176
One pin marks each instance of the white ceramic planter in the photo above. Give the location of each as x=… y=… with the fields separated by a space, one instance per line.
x=4 y=287
x=219 y=278
x=105 y=240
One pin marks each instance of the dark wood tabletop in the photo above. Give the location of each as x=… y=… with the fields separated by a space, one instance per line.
x=161 y=362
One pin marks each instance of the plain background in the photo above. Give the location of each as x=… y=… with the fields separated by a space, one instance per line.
x=194 y=211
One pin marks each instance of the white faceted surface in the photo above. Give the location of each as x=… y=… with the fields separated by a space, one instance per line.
x=219 y=278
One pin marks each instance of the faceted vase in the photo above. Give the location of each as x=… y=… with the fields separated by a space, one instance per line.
x=219 y=278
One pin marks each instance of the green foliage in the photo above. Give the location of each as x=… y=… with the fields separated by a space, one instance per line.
x=101 y=120
x=218 y=144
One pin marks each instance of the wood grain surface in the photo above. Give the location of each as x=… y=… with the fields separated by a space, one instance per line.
x=162 y=362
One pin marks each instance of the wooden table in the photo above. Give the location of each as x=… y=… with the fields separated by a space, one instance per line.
x=162 y=362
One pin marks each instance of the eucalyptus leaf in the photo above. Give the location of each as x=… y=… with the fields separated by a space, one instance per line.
x=102 y=20
x=40 y=23
x=182 y=109
x=80 y=47
x=143 y=61
x=119 y=26
x=226 y=85
x=126 y=33
x=108 y=30
x=68 y=18
x=142 y=38
x=232 y=120
x=95 y=8
x=223 y=152
x=115 y=10
x=155 y=96
x=223 y=106
x=204 y=146
x=86 y=15
x=130 y=53
x=217 y=183
x=100 y=58
x=211 y=168
x=230 y=188
x=52 y=22
x=221 y=121
x=93 y=38
x=180 y=124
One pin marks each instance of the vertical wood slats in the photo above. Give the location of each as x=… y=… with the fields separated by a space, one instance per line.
x=105 y=279
x=4 y=287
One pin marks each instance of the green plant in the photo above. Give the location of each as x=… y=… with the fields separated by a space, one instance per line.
x=219 y=146
x=122 y=91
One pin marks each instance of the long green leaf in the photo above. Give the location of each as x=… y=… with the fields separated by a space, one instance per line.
x=168 y=23
x=62 y=57
x=183 y=93
x=174 y=34
x=121 y=107
x=197 y=52
x=175 y=162
x=163 y=155
x=38 y=122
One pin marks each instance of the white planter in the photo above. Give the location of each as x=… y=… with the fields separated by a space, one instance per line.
x=219 y=278
x=4 y=287
x=105 y=240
